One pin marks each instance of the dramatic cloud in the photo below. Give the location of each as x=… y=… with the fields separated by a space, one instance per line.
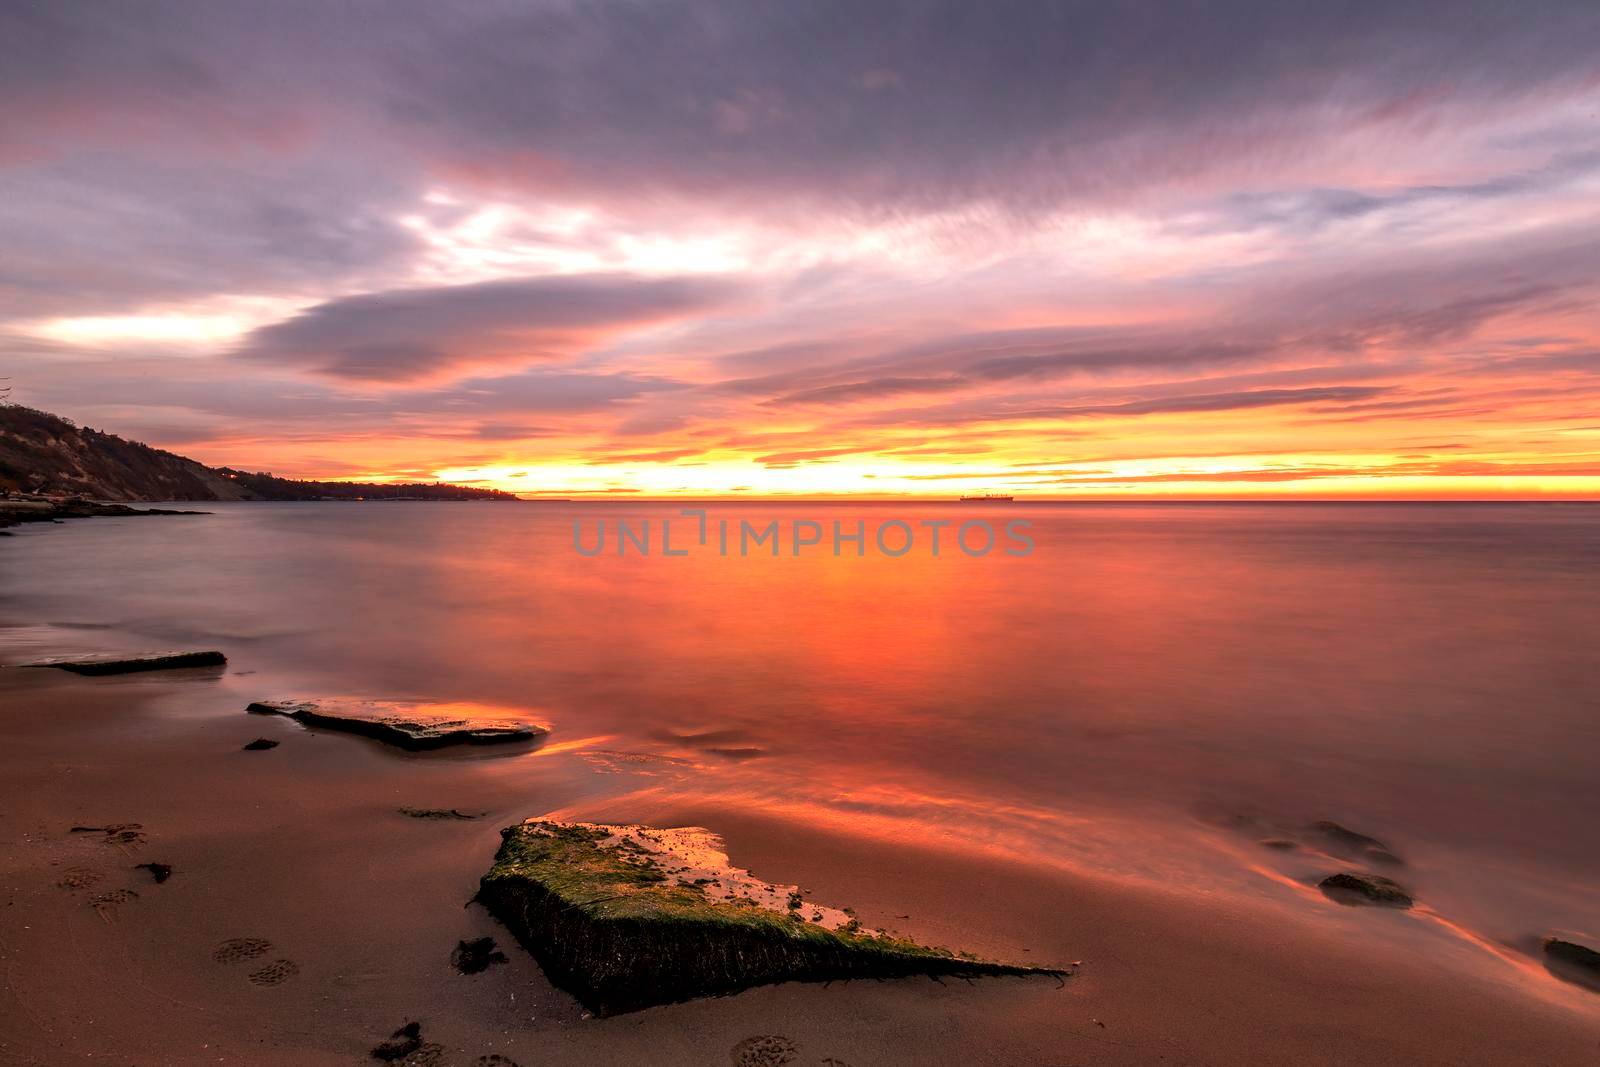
x=688 y=246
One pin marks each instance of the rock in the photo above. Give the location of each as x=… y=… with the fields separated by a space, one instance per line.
x=625 y=917
x=402 y=1043
x=1355 y=845
x=413 y=725
x=123 y=663
x=474 y=957
x=439 y=813
x=1355 y=888
x=261 y=744
x=159 y=871
x=13 y=512
x=1572 y=961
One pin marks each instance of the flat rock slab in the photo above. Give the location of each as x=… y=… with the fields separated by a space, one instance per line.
x=123 y=663
x=626 y=917
x=1357 y=888
x=415 y=725
x=1572 y=961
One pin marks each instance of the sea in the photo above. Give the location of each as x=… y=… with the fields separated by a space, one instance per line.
x=1163 y=693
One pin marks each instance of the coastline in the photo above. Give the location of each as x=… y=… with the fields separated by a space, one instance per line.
x=303 y=846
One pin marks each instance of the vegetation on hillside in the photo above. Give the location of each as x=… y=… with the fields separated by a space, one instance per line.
x=44 y=453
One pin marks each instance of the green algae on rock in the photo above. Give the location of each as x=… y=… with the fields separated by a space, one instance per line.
x=414 y=725
x=127 y=663
x=626 y=917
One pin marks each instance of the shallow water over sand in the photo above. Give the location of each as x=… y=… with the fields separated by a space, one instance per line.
x=1147 y=695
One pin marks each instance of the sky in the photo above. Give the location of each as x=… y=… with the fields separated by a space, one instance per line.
x=1066 y=250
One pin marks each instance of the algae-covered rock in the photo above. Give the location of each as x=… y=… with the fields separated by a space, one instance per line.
x=413 y=725
x=625 y=917
x=124 y=663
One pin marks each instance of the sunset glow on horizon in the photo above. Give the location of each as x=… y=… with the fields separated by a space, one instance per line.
x=659 y=251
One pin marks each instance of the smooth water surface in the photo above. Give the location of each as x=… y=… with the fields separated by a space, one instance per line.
x=1148 y=692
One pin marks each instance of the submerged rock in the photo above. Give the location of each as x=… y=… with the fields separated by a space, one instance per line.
x=413 y=725
x=1354 y=888
x=439 y=813
x=1572 y=961
x=625 y=917
x=1356 y=845
x=261 y=744
x=122 y=663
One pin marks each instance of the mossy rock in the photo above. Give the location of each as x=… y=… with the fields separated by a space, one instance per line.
x=122 y=663
x=626 y=917
x=413 y=725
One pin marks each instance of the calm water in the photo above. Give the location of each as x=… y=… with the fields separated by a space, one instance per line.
x=1146 y=694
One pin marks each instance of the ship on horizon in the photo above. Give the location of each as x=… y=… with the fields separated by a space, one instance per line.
x=986 y=498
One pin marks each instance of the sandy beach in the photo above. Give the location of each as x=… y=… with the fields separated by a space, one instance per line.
x=303 y=847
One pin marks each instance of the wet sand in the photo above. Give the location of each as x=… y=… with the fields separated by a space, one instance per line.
x=303 y=846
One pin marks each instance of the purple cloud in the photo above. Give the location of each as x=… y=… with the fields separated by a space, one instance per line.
x=414 y=335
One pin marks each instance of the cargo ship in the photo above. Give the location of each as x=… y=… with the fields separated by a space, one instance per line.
x=986 y=498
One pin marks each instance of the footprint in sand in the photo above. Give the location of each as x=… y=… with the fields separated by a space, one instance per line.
x=78 y=878
x=107 y=903
x=764 y=1050
x=275 y=973
x=239 y=949
x=119 y=833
